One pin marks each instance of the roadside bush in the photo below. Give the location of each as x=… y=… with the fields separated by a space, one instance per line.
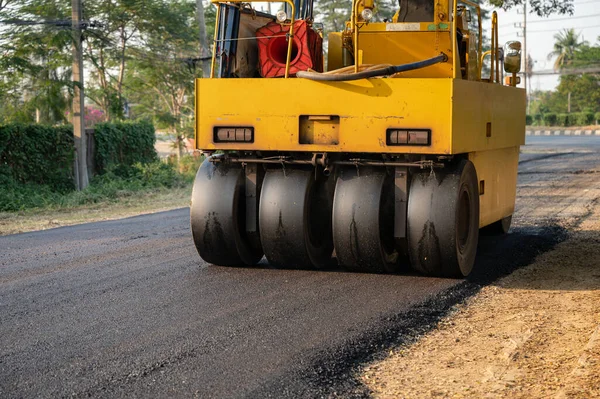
x=117 y=182
x=37 y=154
x=124 y=143
x=584 y=119
x=597 y=117
x=563 y=120
x=550 y=119
x=528 y=120
x=15 y=196
x=188 y=165
x=537 y=119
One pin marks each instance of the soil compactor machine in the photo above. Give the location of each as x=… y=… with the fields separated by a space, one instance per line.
x=397 y=154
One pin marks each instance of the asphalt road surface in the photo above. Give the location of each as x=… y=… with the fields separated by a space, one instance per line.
x=127 y=308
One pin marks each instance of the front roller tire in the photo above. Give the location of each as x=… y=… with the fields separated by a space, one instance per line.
x=363 y=221
x=295 y=219
x=443 y=221
x=218 y=216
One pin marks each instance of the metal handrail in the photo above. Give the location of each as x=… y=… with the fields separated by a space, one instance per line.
x=495 y=59
x=290 y=33
x=480 y=25
x=354 y=30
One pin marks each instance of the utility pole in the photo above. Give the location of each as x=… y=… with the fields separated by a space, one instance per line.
x=81 y=175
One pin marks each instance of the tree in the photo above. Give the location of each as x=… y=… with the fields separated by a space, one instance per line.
x=204 y=52
x=565 y=46
x=39 y=56
x=584 y=88
x=333 y=14
x=540 y=7
x=585 y=56
x=529 y=71
x=161 y=80
x=123 y=21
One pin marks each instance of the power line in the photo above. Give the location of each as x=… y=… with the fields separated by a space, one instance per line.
x=558 y=29
x=551 y=20
x=60 y=23
x=574 y=71
x=554 y=30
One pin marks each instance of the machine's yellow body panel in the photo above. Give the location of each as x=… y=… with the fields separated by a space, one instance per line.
x=379 y=46
x=497 y=175
x=477 y=104
x=457 y=112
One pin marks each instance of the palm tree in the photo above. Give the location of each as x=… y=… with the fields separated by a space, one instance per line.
x=565 y=45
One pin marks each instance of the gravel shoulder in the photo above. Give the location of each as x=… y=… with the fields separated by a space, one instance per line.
x=534 y=333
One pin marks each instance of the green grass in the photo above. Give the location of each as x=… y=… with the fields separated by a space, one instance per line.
x=111 y=187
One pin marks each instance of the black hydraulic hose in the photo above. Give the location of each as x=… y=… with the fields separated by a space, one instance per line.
x=323 y=77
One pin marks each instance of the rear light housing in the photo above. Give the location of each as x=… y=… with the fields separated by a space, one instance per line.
x=227 y=134
x=416 y=137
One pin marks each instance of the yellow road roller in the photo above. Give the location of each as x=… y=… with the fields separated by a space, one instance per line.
x=387 y=144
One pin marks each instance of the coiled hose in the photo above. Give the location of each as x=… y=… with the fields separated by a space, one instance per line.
x=369 y=71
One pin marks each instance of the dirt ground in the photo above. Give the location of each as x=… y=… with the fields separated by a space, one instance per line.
x=533 y=334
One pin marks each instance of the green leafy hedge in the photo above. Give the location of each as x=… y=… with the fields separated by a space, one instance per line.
x=564 y=120
x=37 y=154
x=124 y=143
x=584 y=118
x=550 y=119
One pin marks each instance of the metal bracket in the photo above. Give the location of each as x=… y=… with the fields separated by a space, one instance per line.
x=254 y=176
x=400 y=201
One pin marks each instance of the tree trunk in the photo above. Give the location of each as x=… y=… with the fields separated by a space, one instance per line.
x=204 y=48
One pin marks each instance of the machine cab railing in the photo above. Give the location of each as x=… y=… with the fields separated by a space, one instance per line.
x=424 y=29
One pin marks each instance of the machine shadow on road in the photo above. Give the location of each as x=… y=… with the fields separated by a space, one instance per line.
x=497 y=255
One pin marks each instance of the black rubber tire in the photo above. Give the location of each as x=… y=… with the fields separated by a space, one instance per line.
x=363 y=221
x=443 y=221
x=295 y=219
x=218 y=217
x=499 y=227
